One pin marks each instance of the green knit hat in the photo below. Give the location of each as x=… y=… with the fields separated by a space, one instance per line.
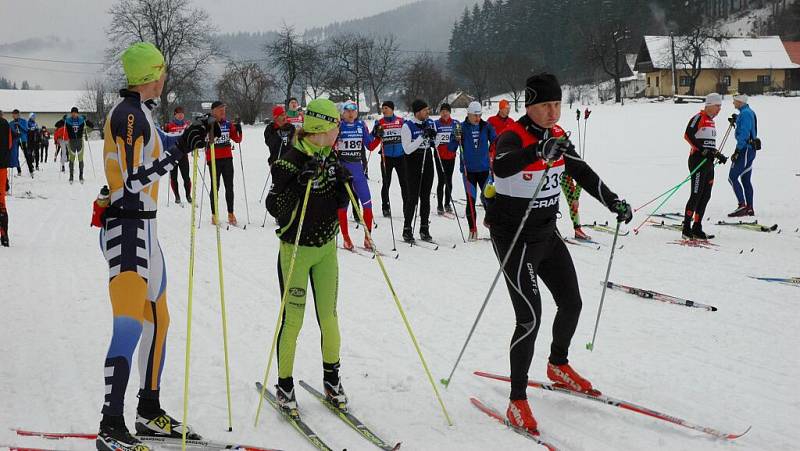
x=321 y=116
x=143 y=63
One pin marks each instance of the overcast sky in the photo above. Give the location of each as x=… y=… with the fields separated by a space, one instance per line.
x=84 y=22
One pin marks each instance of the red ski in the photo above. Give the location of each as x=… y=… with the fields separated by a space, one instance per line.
x=621 y=404
x=164 y=441
x=499 y=417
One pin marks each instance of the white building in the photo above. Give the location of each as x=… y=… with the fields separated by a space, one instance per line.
x=49 y=106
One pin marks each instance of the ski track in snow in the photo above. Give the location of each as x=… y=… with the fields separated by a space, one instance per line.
x=726 y=369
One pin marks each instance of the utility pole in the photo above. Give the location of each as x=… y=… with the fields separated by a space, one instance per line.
x=674 y=76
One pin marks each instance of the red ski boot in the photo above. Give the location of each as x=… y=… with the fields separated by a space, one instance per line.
x=564 y=376
x=519 y=414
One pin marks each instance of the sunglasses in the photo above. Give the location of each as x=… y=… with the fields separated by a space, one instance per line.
x=350 y=107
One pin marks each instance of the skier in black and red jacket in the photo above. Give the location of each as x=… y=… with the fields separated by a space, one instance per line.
x=524 y=152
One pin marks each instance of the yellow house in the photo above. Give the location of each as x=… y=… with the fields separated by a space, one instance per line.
x=747 y=65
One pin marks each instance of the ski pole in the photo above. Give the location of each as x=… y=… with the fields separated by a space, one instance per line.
x=398 y=305
x=269 y=173
x=586 y=114
x=388 y=173
x=442 y=174
x=446 y=382
x=578 y=118
x=215 y=217
x=724 y=140
x=283 y=297
x=590 y=345
x=244 y=184
x=419 y=191
x=91 y=158
x=200 y=215
x=192 y=240
x=669 y=196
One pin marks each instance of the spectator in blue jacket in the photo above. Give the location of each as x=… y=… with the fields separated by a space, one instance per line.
x=34 y=139
x=474 y=136
x=742 y=159
x=19 y=135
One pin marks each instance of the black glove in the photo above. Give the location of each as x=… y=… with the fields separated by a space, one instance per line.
x=377 y=132
x=238 y=127
x=735 y=155
x=309 y=171
x=732 y=119
x=721 y=158
x=338 y=172
x=623 y=211
x=709 y=153
x=194 y=137
x=552 y=149
x=429 y=133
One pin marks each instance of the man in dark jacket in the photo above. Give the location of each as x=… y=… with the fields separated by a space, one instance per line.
x=278 y=134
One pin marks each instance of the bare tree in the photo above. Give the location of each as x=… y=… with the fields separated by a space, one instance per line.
x=476 y=70
x=183 y=33
x=245 y=88
x=314 y=70
x=693 y=49
x=287 y=54
x=343 y=53
x=379 y=63
x=516 y=70
x=424 y=79
x=100 y=97
x=605 y=51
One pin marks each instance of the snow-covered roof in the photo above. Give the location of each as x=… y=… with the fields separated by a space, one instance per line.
x=765 y=52
x=41 y=101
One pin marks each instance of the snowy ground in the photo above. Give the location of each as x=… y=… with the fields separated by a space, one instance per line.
x=726 y=369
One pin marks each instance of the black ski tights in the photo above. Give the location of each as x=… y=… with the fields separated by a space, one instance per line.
x=550 y=261
x=224 y=170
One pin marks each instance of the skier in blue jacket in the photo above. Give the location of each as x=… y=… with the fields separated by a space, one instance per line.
x=474 y=136
x=742 y=159
x=19 y=134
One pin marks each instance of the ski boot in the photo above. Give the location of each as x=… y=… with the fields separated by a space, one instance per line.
x=698 y=234
x=408 y=235
x=750 y=211
x=473 y=235
x=448 y=209
x=367 y=244
x=580 y=235
x=424 y=235
x=114 y=436
x=232 y=219
x=741 y=210
x=686 y=232
x=162 y=425
x=335 y=395
x=387 y=212
x=188 y=198
x=440 y=210
x=564 y=376
x=4 y=241
x=286 y=401
x=519 y=415
x=347 y=243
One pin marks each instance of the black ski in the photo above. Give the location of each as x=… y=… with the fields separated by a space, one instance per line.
x=294 y=420
x=351 y=420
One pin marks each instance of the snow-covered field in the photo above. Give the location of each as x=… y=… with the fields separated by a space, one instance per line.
x=727 y=369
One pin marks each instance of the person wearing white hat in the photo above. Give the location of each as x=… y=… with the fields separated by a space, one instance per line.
x=473 y=137
x=747 y=143
x=701 y=133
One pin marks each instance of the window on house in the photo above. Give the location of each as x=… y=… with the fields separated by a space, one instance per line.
x=747 y=53
x=657 y=80
x=648 y=82
x=722 y=52
x=685 y=80
x=765 y=80
x=726 y=80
